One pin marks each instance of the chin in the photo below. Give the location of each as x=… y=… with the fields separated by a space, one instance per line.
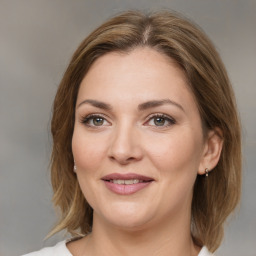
x=130 y=218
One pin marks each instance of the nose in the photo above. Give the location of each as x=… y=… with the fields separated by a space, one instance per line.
x=125 y=146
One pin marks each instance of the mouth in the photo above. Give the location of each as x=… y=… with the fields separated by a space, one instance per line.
x=126 y=184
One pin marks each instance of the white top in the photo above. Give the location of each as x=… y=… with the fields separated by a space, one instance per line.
x=60 y=249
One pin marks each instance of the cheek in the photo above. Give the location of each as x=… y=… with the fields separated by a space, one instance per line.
x=88 y=151
x=175 y=154
x=176 y=159
x=88 y=156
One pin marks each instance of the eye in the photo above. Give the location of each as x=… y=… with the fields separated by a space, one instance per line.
x=94 y=120
x=160 y=120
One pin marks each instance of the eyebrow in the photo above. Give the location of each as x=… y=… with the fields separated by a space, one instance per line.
x=96 y=103
x=141 y=107
x=157 y=103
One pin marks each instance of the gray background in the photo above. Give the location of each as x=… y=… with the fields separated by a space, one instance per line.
x=37 y=38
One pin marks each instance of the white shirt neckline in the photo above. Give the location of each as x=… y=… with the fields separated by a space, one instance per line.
x=203 y=252
x=61 y=249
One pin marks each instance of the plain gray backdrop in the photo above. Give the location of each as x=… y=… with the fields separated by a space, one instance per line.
x=37 y=39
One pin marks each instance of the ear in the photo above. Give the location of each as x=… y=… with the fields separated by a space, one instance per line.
x=212 y=150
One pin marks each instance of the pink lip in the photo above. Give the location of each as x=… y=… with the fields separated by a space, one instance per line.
x=123 y=189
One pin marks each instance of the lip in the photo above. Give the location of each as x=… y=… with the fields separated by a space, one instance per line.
x=123 y=189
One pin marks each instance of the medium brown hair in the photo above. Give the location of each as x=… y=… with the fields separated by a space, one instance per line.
x=214 y=197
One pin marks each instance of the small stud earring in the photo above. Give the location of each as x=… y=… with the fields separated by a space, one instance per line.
x=74 y=168
x=206 y=172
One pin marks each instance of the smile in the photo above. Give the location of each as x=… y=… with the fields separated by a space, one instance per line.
x=126 y=184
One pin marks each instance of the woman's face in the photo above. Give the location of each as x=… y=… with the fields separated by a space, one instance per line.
x=138 y=141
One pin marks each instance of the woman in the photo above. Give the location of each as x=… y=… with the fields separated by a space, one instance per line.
x=146 y=141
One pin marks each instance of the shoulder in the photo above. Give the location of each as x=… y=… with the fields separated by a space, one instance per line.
x=59 y=249
x=205 y=252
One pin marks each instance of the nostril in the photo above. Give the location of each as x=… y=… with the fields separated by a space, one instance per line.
x=122 y=161
x=124 y=149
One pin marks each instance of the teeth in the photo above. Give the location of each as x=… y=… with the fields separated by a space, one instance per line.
x=135 y=181
x=118 y=181
x=126 y=182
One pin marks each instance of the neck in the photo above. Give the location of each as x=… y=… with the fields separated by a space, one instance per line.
x=168 y=238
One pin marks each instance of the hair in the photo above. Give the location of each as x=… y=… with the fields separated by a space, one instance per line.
x=215 y=197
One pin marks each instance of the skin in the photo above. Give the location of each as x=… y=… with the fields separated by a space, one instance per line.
x=156 y=219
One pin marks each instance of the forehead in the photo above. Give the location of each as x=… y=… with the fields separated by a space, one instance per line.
x=141 y=74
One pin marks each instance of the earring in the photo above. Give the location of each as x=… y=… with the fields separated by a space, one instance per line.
x=206 y=172
x=74 y=168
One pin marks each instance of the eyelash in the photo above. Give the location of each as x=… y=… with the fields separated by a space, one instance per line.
x=85 y=120
x=171 y=121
